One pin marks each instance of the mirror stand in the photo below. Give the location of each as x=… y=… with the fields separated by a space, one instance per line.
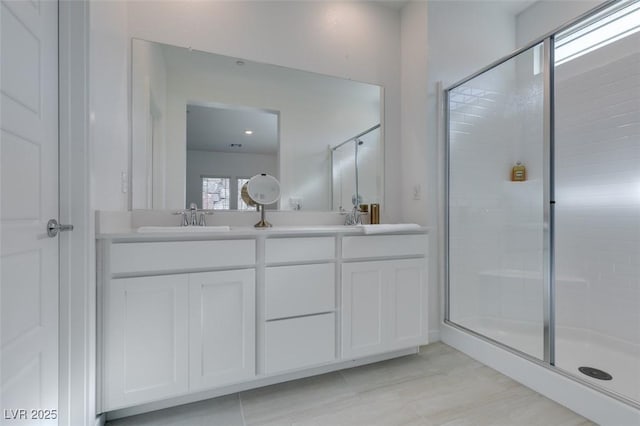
x=263 y=222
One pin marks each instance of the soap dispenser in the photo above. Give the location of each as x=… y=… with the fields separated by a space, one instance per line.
x=518 y=173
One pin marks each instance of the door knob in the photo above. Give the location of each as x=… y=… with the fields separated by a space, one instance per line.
x=53 y=227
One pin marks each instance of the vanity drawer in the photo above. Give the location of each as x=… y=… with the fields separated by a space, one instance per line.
x=280 y=250
x=299 y=290
x=299 y=342
x=181 y=255
x=384 y=246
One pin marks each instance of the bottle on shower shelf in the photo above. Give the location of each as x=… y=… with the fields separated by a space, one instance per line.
x=518 y=173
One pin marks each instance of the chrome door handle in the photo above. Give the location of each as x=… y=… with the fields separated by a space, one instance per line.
x=53 y=227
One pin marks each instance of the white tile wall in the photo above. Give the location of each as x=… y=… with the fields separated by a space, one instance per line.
x=598 y=190
x=496 y=224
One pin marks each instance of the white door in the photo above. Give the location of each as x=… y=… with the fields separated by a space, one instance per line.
x=28 y=198
x=222 y=327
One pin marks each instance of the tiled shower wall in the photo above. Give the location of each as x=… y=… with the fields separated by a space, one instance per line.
x=598 y=193
x=496 y=224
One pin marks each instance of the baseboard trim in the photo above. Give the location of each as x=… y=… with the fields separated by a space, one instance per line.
x=256 y=383
x=101 y=420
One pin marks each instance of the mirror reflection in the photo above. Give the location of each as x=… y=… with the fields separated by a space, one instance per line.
x=202 y=124
x=225 y=147
x=356 y=166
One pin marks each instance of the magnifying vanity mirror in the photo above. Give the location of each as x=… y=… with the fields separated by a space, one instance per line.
x=203 y=124
x=263 y=190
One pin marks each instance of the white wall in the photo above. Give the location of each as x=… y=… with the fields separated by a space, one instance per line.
x=109 y=104
x=224 y=164
x=419 y=154
x=545 y=16
x=418 y=157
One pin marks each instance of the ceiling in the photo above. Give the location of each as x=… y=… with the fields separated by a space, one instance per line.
x=215 y=128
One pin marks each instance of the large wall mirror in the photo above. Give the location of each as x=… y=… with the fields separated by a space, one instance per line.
x=202 y=124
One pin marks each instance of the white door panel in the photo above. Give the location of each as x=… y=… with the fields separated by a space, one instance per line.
x=363 y=296
x=28 y=199
x=406 y=294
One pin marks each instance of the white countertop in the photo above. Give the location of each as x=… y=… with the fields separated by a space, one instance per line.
x=247 y=231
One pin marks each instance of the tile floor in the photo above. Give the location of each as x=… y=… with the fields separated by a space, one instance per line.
x=438 y=386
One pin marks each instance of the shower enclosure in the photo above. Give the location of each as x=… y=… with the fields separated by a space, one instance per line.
x=356 y=170
x=549 y=267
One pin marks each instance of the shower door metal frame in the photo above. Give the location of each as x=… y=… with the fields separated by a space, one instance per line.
x=548 y=361
x=548 y=224
x=548 y=128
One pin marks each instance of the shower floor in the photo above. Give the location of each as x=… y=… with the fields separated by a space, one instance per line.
x=574 y=348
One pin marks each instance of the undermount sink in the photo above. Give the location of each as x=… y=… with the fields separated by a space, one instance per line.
x=328 y=228
x=193 y=229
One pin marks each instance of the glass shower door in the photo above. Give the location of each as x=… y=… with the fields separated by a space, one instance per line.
x=597 y=181
x=495 y=218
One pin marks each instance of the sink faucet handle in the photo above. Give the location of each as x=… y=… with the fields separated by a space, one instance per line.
x=203 y=214
x=184 y=220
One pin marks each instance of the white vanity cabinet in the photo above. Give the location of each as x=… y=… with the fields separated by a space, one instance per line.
x=167 y=331
x=383 y=301
x=184 y=318
x=299 y=303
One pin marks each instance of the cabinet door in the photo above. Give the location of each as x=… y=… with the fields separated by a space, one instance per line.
x=222 y=327
x=383 y=306
x=363 y=308
x=145 y=339
x=407 y=322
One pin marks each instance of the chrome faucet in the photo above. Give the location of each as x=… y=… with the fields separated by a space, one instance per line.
x=353 y=218
x=193 y=208
x=190 y=217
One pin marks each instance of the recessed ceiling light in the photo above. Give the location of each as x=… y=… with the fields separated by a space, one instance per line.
x=248 y=132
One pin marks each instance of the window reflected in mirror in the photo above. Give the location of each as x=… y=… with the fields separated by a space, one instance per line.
x=215 y=193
